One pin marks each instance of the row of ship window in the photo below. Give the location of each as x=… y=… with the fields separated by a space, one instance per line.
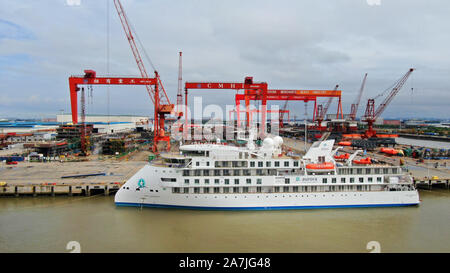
x=367 y=170
x=240 y=164
x=276 y=189
x=245 y=172
x=286 y=180
x=248 y=172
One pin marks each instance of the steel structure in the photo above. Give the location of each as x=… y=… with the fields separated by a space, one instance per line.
x=248 y=85
x=156 y=92
x=279 y=94
x=90 y=78
x=355 y=105
x=282 y=111
x=322 y=111
x=371 y=114
x=179 y=110
x=252 y=111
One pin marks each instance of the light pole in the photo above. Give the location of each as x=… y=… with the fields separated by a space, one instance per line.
x=62 y=116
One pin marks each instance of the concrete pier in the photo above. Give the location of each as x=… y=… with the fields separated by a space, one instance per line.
x=428 y=183
x=34 y=190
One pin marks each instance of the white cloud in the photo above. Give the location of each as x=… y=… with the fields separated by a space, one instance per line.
x=289 y=44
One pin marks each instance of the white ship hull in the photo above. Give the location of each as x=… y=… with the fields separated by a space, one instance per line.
x=160 y=194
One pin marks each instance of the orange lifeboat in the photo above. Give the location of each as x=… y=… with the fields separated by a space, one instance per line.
x=389 y=151
x=342 y=156
x=326 y=166
x=345 y=143
x=366 y=160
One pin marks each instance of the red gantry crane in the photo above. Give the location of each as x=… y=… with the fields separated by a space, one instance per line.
x=281 y=94
x=372 y=114
x=248 y=84
x=156 y=92
x=90 y=78
x=355 y=105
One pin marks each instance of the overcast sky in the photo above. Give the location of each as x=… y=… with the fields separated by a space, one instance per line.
x=288 y=44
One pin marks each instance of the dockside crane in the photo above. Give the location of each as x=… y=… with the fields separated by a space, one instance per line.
x=322 y=111
x=371 y=114
x=157 y=93
x=355 y=105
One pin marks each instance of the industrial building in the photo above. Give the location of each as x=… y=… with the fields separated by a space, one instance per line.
x=107 y=124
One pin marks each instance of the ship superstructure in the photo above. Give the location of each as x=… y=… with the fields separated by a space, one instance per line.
x=225 y=177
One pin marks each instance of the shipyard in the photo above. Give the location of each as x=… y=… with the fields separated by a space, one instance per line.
x=256 y=143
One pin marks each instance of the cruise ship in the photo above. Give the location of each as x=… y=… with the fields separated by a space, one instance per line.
x=216 y=176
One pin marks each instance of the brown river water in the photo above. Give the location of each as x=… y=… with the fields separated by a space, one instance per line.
x=47 y=224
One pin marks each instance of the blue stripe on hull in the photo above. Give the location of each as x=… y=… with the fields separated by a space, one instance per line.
x=123 y=204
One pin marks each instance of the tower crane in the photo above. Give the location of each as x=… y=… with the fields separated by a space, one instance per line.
x=157 y=93
x=321 y=111
x=355 y=105
x=372 y=114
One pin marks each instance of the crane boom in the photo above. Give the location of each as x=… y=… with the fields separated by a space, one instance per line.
x=355 y=105
x=330 y=100
x=372 y=114
x=129 y=33
x=394 y=92
x=327 y=105
x=157 y=92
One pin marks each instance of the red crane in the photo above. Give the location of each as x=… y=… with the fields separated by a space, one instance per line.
x=321 y=112
x=355 y=105
x=90 y=78
x=160 y=99
x=372 y=114
x=282 y=94
x=282 y=111
x=248 y=84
